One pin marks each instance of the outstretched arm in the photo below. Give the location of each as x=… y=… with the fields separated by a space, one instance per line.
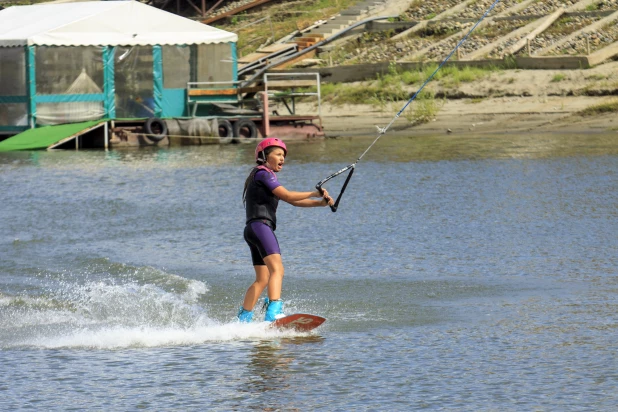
x=302 y=199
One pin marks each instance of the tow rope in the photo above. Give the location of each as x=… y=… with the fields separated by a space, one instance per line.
x=382 y=131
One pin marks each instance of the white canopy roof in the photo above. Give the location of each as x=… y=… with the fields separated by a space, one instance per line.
x=102 y=23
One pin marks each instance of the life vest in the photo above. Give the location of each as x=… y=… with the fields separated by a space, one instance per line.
x=260 y=203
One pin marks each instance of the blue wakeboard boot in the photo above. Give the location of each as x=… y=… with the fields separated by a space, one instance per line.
x=244 y=315
x=274 y=310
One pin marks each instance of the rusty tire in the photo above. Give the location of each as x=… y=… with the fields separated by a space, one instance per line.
x=245 y=128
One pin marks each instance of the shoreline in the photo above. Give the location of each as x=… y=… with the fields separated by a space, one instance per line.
x=505 y=101
x=461 y=117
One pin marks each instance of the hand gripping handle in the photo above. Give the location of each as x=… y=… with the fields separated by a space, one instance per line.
x=319 y=185
x=333 y=207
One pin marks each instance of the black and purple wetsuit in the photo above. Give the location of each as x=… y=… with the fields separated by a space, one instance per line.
x=261 y=208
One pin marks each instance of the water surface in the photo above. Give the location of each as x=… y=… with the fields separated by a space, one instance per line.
x=458 y=274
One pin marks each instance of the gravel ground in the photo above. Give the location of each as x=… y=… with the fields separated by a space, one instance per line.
x=421 y=10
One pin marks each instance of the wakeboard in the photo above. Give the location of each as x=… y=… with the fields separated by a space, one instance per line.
x=301 y=322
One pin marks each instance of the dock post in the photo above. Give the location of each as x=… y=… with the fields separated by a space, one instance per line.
x=265 y=114
x=106 y=136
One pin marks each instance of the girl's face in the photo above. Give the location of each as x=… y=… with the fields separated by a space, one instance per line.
x=275 y=159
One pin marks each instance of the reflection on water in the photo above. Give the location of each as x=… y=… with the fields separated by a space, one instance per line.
x=344 y=150
x=449 y=147
x=269 y=367
x=271 y=363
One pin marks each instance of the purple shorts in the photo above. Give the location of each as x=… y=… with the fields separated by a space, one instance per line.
x=262 y=241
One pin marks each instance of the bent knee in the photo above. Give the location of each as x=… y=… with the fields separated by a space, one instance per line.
x=262 y=282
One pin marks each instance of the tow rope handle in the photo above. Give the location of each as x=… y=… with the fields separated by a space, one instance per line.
x=334 y=207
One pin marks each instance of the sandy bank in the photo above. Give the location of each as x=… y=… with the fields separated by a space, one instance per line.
x=504 y=102
x=489 y=116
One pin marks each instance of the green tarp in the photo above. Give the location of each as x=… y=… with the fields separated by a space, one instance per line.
x=43 y=137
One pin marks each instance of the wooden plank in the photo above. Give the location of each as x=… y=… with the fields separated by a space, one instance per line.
x=252 y=57
x=304 y=44
x=290 y=83
x=213 y=92
x=265 y=52
x=304 y=56
x=274 y=48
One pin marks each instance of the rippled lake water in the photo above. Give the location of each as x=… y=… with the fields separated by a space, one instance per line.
x=475 y=274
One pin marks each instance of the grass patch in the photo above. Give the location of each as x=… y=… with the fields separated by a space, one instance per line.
x=453 y=76
x=596 y=77
x=610 y=107
x=558 y=78
x=398 y=85
x=342 y=93
x=447 y=76
x=424 y=108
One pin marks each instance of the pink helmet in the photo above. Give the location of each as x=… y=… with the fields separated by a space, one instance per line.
x=271 y=141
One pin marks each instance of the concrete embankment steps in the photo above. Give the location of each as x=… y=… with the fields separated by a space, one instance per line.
x=453 y=11
x=525 y=33
x=346 y=18
x=594 y=26
x=579 y=5
x=543 y=24
x=520 y=36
